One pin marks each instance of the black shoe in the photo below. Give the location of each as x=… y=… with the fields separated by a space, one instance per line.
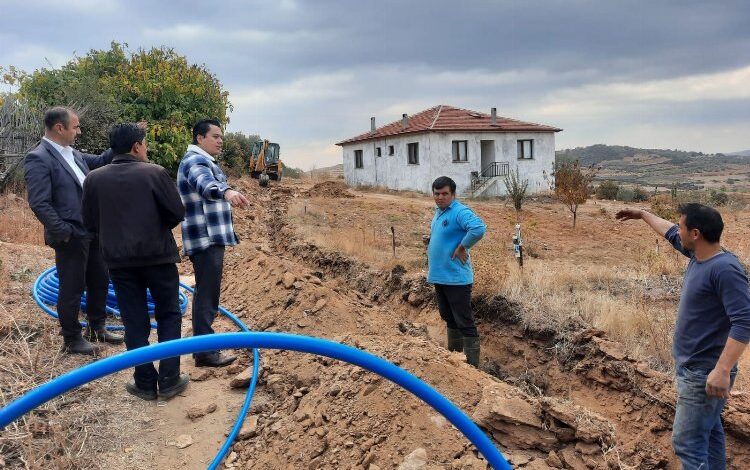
x=180 y=386
x=79 y=346
x=101 y=335
x=144 y=394
x=214 y=360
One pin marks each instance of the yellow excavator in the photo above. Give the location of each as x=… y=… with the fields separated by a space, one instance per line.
x=265 y=162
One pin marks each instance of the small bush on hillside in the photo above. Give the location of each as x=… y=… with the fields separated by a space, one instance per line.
x=718 y=198
x=607 y=190
x=640 y=194
x=665 y=207
x=625 y=195
x=632 y=195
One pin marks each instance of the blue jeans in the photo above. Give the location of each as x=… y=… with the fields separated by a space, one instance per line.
x=697 y=432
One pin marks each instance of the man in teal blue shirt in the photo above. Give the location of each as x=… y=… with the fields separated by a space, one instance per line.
x=454 y=230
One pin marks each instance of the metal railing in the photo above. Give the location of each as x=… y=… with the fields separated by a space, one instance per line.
x=492 y=170
x=495 y=169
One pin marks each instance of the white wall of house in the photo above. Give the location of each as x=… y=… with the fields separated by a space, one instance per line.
x=436 y=159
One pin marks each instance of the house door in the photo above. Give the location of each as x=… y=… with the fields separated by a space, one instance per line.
x=488 y=153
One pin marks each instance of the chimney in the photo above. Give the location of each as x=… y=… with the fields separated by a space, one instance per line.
x=372 y=125
x=494 y=116
x=405 y=121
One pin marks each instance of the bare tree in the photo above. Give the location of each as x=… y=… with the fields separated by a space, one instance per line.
x=573 y=185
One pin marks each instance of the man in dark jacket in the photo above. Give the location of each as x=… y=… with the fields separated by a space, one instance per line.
x=55 y=173
x=133 y=206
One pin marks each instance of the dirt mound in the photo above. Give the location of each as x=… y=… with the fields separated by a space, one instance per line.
x=331 y=189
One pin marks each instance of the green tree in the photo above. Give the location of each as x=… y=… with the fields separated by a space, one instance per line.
x=236 y=152
x=290 y=172
x=157 y=85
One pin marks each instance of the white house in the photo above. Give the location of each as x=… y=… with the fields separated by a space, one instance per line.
x=475 y=149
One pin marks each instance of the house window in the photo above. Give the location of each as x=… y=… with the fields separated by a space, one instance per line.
x=390 y=150
x=378 y=152
x=459 y=151
x=358 y=163
x=413 y=149
x=525 y=149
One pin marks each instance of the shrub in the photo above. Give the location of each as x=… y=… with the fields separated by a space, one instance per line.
x=664 y=206
x=640 y=194
x=718 y=198
x=607 y=190
x=625 y=195
x=516 y=188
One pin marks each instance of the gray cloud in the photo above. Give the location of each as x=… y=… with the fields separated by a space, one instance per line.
x=309 y=73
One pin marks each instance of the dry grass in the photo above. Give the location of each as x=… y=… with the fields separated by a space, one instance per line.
x=615 y=277
x=65 y=433
x=17 y=222
x=370 y=243
x=565 y=296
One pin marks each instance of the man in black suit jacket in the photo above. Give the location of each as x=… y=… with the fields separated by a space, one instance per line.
x=54 y=173
x=132 y=206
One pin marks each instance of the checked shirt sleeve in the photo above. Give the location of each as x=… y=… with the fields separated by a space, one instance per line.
x=200 y=176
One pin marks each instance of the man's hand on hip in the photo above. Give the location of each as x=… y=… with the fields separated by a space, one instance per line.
x=460 y=253
x=236 y=198
x=717 y=384
x=629 y=214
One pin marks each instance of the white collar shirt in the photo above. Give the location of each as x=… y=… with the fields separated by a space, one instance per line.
x=67 y=154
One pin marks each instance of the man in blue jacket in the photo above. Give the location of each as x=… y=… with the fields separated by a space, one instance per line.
x=711 y=333
x=55 y=173
x=455 y=229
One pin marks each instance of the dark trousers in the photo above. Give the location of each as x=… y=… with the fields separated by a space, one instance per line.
x=454 y=303
x=208 y=266
x=80 y=267
x=130 y=286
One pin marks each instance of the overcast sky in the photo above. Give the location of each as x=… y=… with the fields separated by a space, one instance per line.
x=306 y=74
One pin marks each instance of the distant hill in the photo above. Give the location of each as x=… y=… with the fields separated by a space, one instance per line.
x=743 y=153
x=330 y=171
x=664 y=167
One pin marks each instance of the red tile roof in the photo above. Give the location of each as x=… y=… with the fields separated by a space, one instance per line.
x=448 y=118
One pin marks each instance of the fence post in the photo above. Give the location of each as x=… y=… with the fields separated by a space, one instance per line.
x=393 y=238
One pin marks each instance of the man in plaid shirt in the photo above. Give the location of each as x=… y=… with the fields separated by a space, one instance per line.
x=207 y=228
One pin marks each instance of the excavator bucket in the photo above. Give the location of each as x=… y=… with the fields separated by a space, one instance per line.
x=260 y=165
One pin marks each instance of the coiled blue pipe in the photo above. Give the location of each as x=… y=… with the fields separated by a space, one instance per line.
x=47 y=286
x=291 y=342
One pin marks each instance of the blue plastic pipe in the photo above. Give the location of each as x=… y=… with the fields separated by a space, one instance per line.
x=291 y=342
x=224 y=450
x=45 y=292
x=47 y=285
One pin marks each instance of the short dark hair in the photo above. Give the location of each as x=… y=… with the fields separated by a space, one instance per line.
x=57 y=114
x=443 y=181
x=122 y=137
x=704 y=218
x=202 y=128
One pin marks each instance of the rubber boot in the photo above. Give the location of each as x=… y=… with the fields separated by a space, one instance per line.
x=455 y=340
x=471 y=349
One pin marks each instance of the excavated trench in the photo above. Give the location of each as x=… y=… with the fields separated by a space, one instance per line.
x=550 y=399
